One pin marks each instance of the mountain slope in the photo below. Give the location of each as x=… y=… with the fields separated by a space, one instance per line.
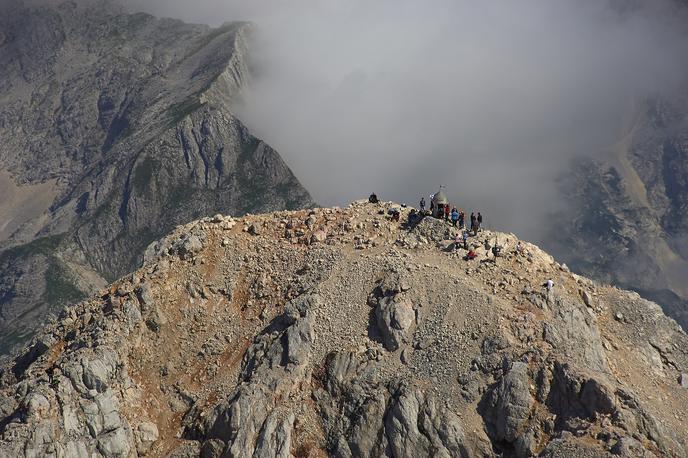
x=123 y=122
x=338 y=332
x=629 y=208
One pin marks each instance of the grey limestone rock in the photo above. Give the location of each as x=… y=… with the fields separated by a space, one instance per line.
x=363 y=418
x=72 y=412
x=7 y=406
x=190 y=246
x=275 y=437
x=394 y=314
x=628 y=446
x=574 y=394
x=416 y=426
x=396 y=321
x=597 y=398
x=77 y=449
x=574 y=330
x=212 y=448
x=271 y=349
x=683 y=380
x=36 y=405
x=255 y=229
x=508 y=405
x=132 y=313
x=318 y=237
x=115 y=444
x=187 y=449
x=145 y=296
x=247 y=421
x=146 y=435
x=433 y=229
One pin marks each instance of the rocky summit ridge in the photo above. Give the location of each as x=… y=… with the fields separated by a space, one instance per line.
x=341 y=332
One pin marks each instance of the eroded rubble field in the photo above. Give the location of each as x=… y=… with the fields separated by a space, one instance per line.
x=338 y=332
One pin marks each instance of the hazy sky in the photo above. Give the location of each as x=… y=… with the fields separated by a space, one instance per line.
x=491 y=99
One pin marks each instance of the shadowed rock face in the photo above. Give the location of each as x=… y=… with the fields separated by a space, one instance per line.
x=129 y=117
x=249 y=337
x=628 y=215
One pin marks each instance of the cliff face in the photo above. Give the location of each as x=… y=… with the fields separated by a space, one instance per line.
x=339 y=332
x=124 y=122
x=629 y=208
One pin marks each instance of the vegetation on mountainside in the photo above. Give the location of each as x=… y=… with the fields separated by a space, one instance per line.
x=45 y=246
x=60 y=286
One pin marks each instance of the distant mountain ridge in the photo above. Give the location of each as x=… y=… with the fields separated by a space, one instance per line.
x=628 y=220
x=125 y=122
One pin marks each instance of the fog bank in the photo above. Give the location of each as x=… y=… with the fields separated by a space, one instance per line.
x=490 y=99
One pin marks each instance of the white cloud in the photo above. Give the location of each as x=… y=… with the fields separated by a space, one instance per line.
x=491 y=99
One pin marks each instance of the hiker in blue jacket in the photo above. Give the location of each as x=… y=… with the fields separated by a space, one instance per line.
x=454 y=216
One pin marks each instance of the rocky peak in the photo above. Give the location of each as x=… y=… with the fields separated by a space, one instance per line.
x=123 y=125
x=627 y=218
x=343 y=332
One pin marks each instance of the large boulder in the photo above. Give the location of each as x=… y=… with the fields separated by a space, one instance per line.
x=574 y=330
x=146 y=435
x=396 y=320
x=507 y=407
x=394 y=313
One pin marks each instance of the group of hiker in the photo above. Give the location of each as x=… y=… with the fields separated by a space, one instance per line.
x=456 y=216
x=440 y=208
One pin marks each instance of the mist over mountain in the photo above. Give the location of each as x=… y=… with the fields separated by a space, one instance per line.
x=225 y=315
x=561 y=121
x=491 y=100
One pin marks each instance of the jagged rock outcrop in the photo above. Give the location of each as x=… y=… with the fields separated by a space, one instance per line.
x=232 y=341
x=510 y=404
x=247 y=423
x=363 y=417
x=123 y=124
x=395 y=315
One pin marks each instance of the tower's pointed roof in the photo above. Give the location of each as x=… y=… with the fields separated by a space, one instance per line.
x=440 y=198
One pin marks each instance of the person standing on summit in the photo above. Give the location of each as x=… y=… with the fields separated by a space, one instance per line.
x=474 y=224
x=446 y=212
x=422 y=204
x=480 y=220
x=549 y=284
x=454 y=216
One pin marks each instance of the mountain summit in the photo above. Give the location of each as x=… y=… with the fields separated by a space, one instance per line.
x=116 y=128
x=342 y=332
